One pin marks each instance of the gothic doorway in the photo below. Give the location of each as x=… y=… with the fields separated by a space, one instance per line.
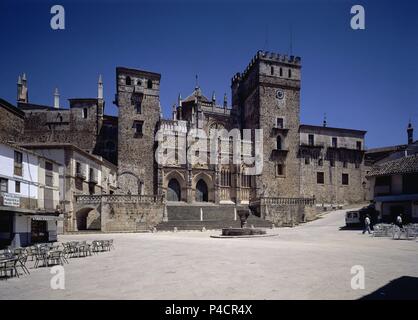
x=173 y=191
x=201 y=191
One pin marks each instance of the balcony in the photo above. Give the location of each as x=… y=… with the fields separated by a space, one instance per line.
x=93 y=179
x=278 y=153
x=279 y=129
x=80 y=175
x=313 y=146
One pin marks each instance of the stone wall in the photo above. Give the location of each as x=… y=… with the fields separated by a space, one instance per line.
x=131 y=217
x=285 y=211
x=11 y=122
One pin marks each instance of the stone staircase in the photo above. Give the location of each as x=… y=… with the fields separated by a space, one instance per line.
x=188 y=217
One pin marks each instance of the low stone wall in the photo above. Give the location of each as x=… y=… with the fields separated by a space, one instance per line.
x=121 y=213
x=285 y=211
x=131 y=216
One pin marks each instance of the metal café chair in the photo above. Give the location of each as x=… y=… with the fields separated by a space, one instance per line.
x=9 y=265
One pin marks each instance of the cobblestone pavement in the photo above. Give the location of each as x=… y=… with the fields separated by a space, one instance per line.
x=310 y=261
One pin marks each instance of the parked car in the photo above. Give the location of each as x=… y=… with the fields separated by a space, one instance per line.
x=356 y=218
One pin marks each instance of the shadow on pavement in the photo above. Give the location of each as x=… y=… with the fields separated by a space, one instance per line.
x=403 y=288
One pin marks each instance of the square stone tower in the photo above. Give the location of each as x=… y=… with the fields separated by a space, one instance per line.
x=138 y=101
x=267 y=96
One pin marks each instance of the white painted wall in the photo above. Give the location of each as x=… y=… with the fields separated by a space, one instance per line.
x=29 y=180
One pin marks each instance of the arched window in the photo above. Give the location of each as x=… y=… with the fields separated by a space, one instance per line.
x=139 y=82
x=128 y=81
x=149 y=84
x=279 y=142
x=290 y=73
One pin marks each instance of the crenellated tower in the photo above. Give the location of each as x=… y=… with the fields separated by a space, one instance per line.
x=138 y=101
x=267 y=96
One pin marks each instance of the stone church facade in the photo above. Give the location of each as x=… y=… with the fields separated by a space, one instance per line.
x=296 y=165
x=298 y=161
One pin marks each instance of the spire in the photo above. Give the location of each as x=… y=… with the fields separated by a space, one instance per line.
x=410 y=132
x=179 y=100
x=22 y=89
x=325 y=120
x=197 y=82
x=56 y=99
x=174 y=112
x=225 y=101
x=213 y=97
x=100 y=88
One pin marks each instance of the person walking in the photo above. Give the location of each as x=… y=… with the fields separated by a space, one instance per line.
x=399 y=222
x=367 y=225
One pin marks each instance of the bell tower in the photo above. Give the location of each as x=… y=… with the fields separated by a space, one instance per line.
x=138 y=101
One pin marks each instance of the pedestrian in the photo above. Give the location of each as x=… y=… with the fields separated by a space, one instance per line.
x=399 y=222
x=367 y=225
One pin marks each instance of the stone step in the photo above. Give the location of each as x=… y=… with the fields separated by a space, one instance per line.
x=182 y=212
x=194 y=224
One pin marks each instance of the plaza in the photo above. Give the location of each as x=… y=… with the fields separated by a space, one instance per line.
x=309 y=261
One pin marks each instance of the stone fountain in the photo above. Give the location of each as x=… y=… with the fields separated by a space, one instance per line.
x=243 y=231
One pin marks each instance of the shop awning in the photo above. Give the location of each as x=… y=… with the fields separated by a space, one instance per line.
x=46 y=218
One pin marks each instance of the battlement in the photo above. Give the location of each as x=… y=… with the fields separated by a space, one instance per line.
x=267 y=56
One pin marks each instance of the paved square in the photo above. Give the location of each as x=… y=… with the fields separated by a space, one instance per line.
x=311 y=261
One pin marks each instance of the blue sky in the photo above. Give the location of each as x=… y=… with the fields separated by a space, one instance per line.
x=363 y=79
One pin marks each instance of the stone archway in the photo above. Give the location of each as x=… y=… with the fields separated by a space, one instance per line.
x=130 y=183
x=173 y=190
x=174 y=186
x=203 y=188
x=202 y=193
x=88 y=219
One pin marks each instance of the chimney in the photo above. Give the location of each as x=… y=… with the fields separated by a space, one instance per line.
x=100 y=88
x=56 y=99
x=22 y=89
x=410 y=133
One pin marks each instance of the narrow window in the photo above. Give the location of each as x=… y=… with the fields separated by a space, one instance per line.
x=138 y=107
x=320 y=178
x=311 y=140
x=17 y=186
x=279 y=123
x=320 y=162
x=357 y=165
x=272 y=70
x=18 y=166
x=281 y=72
x=332 y=162
x=48 y=174
x=344 y=164
x=344 y=179
x=279 y=143
x=334 y=142
x=138 y=128
x=279 y=169
x=128 y=81
x=290 y=73
x=358 y=144
x=149 y=84
x=84 y=113
x=139 y=82
x=4 y=185
x=307 y=160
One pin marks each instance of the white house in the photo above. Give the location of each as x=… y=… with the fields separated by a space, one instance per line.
x=29 y=196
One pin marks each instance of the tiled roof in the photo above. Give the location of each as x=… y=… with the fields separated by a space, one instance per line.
x=407 y=164
x=197 y=92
